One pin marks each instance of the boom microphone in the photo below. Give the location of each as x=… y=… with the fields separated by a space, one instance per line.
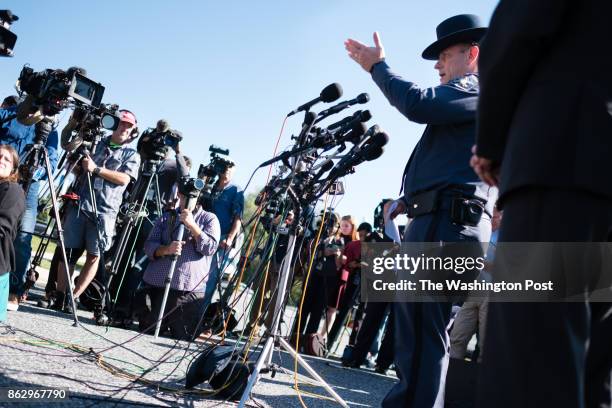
x=361 y=98
x=329 y=94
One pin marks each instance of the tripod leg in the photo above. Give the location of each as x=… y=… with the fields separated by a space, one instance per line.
x=263 y=357
x=60 y=235
x=311 y=371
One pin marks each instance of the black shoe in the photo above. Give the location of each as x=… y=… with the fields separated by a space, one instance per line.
x=48 y=301
x=58 y=304
x=350 y=364
x=68 y=306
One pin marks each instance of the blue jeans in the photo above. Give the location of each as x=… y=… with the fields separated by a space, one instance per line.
x=23 y=241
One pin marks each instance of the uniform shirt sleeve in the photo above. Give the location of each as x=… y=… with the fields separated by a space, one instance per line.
x=441 y=105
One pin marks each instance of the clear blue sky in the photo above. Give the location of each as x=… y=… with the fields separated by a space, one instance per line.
x=226 y=73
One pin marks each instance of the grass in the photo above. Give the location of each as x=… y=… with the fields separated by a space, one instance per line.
x=46 y=261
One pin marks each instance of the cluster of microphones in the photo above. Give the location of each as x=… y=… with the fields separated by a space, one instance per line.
x=321 y=153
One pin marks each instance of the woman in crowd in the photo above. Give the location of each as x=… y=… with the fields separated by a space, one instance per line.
x=334 y=250
x=12 y=206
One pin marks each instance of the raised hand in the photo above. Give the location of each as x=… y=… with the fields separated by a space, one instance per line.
x=364 y=55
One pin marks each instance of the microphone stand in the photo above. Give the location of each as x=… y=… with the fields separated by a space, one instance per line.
x=273 y=334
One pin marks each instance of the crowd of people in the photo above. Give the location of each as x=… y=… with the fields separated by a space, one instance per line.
x=514 y=128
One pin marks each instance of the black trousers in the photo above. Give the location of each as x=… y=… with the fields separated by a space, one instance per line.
x=182 y=321
x=374 y=318
x=315 y=302
x=349 y=299
x=550 y=354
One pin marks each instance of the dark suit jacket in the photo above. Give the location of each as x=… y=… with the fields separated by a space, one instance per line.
x=545 y=108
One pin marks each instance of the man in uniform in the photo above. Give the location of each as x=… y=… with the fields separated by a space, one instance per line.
x=436 y=178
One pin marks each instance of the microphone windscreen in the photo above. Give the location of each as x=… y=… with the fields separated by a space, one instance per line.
x=374 y=153
x=162 y=125
x=331 y=92
x=309 y=118
x=379 y=139
x=363 y=98
x=365 y=116
x=356 y=132
x=327 y=166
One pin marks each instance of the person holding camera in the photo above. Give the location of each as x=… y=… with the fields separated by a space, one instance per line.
x=194 y=258
x=228 y=206
x=12 y=206
x=20 y=134
x=442 y=194
x=106 y=172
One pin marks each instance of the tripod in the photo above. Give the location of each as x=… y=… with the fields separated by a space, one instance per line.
x=37 y=154
x=274 y=337
x=134 y=220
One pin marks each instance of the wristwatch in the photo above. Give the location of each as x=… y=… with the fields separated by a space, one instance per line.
x=96 y=171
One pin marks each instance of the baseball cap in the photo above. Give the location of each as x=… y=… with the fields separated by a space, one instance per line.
x=127 y=116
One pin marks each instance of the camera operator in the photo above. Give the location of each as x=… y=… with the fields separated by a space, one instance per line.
x=443 y=195
x=170 y=171
x=20 y=134
x=9 y=102
x=195 y=256
x=111 y=167
x=228 y=206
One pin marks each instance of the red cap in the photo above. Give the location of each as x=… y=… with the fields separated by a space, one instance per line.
x=127 y=116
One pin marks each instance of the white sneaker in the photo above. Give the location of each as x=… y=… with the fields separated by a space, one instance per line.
x=13 y=303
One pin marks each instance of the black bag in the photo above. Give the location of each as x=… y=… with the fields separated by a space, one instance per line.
x=231 y=382
x=209 y=363
x=223 y=368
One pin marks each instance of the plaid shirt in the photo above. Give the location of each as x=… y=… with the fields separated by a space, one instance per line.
x=109 y=196
x=193 y=264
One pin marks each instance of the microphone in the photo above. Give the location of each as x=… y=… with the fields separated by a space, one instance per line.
x=361 y=98
x=306 y=126
x=327 y=166
x=327 y=140
x=358 y=116
x=329 y=94
x=370 y=150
